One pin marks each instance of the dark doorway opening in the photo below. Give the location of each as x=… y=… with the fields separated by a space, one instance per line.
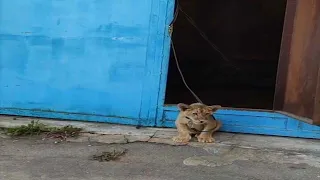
x=248 y=32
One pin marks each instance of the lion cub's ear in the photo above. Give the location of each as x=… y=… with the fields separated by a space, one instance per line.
x=182 y=107
x=213 y=108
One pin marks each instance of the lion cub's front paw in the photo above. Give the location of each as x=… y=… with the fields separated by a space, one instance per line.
x=179 y=139
x=205 y=139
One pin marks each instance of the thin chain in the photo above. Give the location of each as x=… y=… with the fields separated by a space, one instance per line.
x=181 y=74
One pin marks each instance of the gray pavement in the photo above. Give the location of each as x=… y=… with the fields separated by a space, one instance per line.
x=151 y=155
x=35 y=159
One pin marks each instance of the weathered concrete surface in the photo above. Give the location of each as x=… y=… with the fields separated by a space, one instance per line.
x=100 y=128
x=232 y=157
x=228 y=155
x=111 y=133
x=35 y=159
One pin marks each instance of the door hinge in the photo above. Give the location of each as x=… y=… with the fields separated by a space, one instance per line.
x=170 y=30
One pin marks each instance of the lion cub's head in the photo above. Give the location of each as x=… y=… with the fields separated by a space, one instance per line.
x=198 y=113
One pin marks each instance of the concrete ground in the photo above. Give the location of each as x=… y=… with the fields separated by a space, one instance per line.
x=152 y=155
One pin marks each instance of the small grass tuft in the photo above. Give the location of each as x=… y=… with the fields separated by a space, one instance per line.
x=36 y=128
x=33 y=128
x=109 y=156
x=63 y=132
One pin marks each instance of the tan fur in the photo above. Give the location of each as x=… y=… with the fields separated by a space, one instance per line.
x=196 y=119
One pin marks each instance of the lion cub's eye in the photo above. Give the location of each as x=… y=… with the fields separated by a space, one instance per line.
x=195 y=113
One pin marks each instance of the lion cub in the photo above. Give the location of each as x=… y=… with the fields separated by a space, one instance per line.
x=196 y=119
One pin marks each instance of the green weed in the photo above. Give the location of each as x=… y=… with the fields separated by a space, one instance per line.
x=36 y=128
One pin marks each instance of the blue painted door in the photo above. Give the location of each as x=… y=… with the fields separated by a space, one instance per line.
x=69 y=58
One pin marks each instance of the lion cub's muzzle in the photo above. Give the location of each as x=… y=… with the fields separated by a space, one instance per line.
x=195 y=121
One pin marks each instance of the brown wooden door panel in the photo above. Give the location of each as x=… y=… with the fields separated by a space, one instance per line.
x=316 y=114
x=298 y=81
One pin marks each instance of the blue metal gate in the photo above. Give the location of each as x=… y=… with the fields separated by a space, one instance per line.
x=94 y=60
x=102 y=60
